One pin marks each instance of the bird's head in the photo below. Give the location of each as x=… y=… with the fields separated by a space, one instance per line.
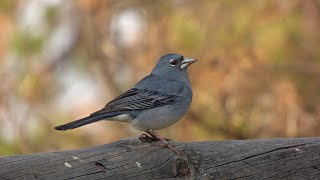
x=173 y=66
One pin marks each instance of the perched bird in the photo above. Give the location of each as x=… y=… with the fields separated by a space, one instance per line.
x=155 y=102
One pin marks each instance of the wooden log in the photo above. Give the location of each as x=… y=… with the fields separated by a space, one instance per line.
x=283 y=158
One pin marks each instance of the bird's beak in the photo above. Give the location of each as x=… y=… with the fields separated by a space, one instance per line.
x=186 y=62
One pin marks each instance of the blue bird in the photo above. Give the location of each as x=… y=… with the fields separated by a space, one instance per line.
x=155 y=102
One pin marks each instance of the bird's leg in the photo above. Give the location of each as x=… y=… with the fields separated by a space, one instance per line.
x=147 y=138
x=151 y=138
x=154 y=135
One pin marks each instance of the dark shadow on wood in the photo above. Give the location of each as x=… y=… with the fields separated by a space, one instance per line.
x=283 y=158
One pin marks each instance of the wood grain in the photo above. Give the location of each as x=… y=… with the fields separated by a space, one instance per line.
x=283 y=158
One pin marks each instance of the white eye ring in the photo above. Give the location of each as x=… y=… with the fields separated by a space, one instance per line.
x=173 y=62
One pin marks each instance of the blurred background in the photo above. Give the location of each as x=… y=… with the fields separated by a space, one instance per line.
x=258 y=74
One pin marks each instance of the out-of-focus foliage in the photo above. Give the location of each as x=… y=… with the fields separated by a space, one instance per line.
x=258 y=74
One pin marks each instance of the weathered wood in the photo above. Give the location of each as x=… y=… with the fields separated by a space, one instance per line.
x=297 y=158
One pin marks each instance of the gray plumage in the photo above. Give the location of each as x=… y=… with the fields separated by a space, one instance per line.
x=157 y=101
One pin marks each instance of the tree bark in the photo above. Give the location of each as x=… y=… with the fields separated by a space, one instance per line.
x=283 y=158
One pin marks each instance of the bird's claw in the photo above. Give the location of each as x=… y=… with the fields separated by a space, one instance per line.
x=164 y=142
x=150 y=139
x=146 y=138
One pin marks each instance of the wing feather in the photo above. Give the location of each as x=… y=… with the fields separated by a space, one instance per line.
x=137 y=99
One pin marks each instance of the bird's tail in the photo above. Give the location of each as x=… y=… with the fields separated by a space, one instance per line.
x=80 y=122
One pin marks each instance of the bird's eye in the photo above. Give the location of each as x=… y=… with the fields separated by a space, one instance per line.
x=173 y=62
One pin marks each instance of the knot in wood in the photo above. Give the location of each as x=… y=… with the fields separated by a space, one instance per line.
x=183 y=168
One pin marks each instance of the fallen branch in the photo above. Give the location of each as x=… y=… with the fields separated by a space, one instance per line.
x=286 y=158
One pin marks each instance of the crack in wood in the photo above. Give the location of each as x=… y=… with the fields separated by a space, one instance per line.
x=76 y=177
x=100 y=167
x=255 y=155
x=274 y=150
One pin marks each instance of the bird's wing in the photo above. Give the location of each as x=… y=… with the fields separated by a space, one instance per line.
x=138 y=99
